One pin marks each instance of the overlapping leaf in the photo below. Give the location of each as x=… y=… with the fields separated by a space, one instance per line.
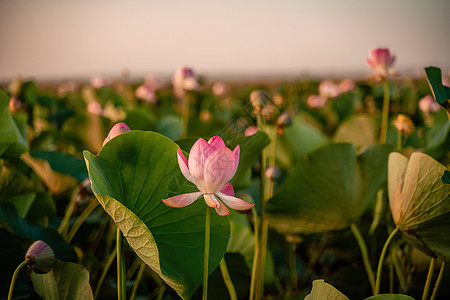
x=130 y=176
x=420 y=202
x=329 y=189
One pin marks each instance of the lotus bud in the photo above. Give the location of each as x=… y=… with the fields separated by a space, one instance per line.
x=14 y=104
x=380 y=59
x=316 y=101
x=251 y=130
x=283 y=120
x=427 y=105
x=273 y=173
x=118 y=129
x=40 y=257
x=259 y=99
x=278 y=100
x=404 y=124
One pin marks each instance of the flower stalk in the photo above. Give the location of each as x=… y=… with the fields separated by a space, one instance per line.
x=14 y=278
x=426 y=289
x=365 y=254
x=385 y=112
x=121 y=272
x=206 y=252
x=227 y=279
x=381 y=261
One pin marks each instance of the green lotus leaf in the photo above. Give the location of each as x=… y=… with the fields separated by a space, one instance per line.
x=420 y=202
x=66 y=280
x=441 y=92
x=360 y=130
x=324 y=291
x=329 y=189
x=390 y=297
x=130 y=176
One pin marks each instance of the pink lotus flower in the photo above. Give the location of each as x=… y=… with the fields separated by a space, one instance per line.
x=328 y=89
x=210 y=166
x=316 y=101
x=380 y=59
x=185 y=80
x=427 y=105
x=117 y=129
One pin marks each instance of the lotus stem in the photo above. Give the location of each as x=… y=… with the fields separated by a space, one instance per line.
x=121 y=273
x=184 y=116
x=206 y=253
x=227 y=279
x=399 y=140
x=438 y=281
x=385 y=113
x=292 y=286
x=138 y=280
x=381 y=261
x=104 y=272
x=426 y=289
x=81 y=218
x=255 y=253
x=14 y=278
x=63 y=226
x=365 y=254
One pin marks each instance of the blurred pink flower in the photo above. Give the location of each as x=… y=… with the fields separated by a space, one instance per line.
x=316 y=101
x=210 y=166
x=346 y=85
x=380 y=59
x=117 y=129
x=427 y=105
x=94 y=107
x=153 y=83
x=328 y=89
x=14 y=104
x=99 y=82
x=146 y=93
x=220 y=89
x=184 y=80
x=251 y=130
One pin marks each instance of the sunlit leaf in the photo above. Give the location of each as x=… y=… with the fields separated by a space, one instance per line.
x=360 y=130
x=65 y=281
x=329 y=189
x=324 y=291
x=130 y=176
x=420 y=202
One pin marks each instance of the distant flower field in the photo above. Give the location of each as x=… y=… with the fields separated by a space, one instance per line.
x=161 y=189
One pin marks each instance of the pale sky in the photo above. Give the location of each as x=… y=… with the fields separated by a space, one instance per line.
x=54 y=39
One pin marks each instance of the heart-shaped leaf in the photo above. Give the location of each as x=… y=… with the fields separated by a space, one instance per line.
x=420 y=202
x=130 y=176
x=329 y=189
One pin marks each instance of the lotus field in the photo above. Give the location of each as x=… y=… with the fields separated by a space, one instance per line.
x=193 y=189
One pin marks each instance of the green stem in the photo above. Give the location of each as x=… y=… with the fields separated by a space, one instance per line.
x=14 y=278
x=81 y=218
x=104 y=272
x=385 y=113
x=138 y=280
x=438 y=281
x=227 y=279
x=184 y=116
x=63 y=226
x=429 y=278
x=264 y=233
x=255 y=254
x=399 y=140
x=381 y=261
x=398 y=271
x=365 y=254
x=206 y=253
x=292 y=286
x=121 y=273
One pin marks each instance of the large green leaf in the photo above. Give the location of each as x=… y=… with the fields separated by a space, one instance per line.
x=130 y=176
x=420 y=202
x=324 y=291
x=329 y=189
x=65 y=281
x=360 y=130
x=12 y=137
x=441 y=92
